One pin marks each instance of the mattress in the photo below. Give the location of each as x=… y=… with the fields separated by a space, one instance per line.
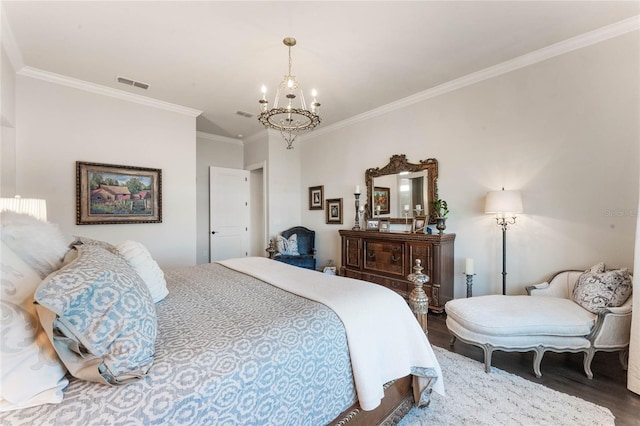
x=231 y=350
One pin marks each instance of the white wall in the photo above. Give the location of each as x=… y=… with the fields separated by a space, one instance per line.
x=7 y=122
x=211 y=151
x=564 y=131
x=282 y=178
x=58 y=125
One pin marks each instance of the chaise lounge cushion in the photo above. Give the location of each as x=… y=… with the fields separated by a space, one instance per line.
x=498 y=315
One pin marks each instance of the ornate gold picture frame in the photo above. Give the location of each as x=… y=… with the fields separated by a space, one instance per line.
x=112 y=194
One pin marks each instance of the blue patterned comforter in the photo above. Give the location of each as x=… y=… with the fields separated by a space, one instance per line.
x=231 y=350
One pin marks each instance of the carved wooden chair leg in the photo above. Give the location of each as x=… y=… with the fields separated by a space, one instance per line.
x=588 y=357
x=537 y=360
x=488 y=350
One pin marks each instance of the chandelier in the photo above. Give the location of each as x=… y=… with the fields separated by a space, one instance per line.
x=292 y=117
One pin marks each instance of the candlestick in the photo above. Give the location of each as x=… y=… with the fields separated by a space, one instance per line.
x=356 y=227
x=357 y=189
x=469 y=284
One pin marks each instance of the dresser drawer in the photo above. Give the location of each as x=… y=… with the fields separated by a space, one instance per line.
x=352 y=252
x=351 y=274
x=384 y=256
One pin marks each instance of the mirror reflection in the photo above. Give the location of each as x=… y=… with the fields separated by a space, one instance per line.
x=401 y=194
x=402 y=189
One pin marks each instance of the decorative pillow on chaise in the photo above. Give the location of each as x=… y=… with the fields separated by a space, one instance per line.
x=287 y=247
x=137 y=255
x=39 y=244
x=596 y=291
x=100 y=317
x=32 y=374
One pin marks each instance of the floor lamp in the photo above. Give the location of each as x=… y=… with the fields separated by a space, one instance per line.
x=505 y=205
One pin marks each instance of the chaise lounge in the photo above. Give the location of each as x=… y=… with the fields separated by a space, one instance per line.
x=549 y=321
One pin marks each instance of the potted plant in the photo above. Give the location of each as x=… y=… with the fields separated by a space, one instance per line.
x=440 y=211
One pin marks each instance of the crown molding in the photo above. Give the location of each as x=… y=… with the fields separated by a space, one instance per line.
x=218 y=138
x=9 y=42
x=261 y=136
x=104 y=90
x=551 y=51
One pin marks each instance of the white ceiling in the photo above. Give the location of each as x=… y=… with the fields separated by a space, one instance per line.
x=214 y=56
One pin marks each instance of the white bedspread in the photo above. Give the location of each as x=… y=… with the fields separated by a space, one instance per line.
x=384 y=338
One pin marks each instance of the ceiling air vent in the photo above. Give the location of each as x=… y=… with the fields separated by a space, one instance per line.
x=133 y=83
x=244 y=114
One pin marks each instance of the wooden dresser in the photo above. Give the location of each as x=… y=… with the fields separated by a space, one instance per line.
x=386 y=258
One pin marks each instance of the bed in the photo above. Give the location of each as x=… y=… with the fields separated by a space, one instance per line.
x=256 y=342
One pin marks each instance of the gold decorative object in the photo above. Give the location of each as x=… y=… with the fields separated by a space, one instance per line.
x=418 y=300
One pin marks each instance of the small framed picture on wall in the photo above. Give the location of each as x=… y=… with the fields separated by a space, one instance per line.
x=334 y=211
x=316 y=197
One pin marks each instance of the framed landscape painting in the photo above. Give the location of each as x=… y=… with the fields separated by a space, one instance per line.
x=109 y=194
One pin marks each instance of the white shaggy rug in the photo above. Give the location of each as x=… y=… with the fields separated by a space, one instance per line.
x=500 y=398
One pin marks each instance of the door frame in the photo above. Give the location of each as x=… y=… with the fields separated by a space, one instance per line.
x=265 y=199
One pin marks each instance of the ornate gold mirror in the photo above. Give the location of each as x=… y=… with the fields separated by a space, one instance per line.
x=402 y=189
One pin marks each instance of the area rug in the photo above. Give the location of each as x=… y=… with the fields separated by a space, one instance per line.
x=500 y=398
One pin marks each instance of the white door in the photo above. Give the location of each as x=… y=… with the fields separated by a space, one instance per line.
x=228 y=213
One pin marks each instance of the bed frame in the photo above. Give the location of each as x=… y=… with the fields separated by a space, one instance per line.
x=398 y=400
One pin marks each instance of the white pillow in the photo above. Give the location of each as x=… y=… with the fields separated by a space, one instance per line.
x=32 y=373
x=141 y=261
x=288 y=247
x=39 y=244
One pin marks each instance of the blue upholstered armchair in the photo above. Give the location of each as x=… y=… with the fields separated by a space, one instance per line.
x=306 y=257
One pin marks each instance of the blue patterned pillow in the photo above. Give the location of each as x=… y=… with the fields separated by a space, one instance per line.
x=100 y=317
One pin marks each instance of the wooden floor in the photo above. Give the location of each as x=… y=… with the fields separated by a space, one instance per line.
x=561 y=372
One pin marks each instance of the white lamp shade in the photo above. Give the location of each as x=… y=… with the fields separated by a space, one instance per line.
x=31 y=206
x=503 y=202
